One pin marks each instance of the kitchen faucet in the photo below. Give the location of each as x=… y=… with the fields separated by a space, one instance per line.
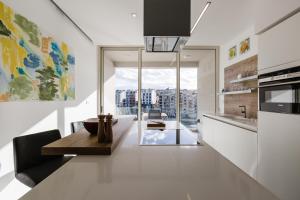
x=243 y=110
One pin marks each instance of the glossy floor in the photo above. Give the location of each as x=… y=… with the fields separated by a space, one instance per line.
x=137 y=172
x=168 y=137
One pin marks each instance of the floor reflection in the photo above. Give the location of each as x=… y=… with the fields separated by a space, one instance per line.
x=168 y=137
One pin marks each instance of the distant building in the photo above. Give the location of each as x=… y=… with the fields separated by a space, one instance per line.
x=125 y=102
x=148 y=99
x=188 y=105
x=118 y=98
x=165 y=100
x=129 y=98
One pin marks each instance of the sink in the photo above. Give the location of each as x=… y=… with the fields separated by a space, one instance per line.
x=236 y=118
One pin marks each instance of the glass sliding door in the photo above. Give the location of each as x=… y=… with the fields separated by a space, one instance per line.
x=158 y=88
x=188 y=96
x=157 y=85
x=120 y=82
x=197 y=86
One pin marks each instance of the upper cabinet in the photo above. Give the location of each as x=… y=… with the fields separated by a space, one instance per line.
x=268 y=12
x=280 y=44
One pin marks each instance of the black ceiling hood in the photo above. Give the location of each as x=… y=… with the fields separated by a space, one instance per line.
x=167 y=24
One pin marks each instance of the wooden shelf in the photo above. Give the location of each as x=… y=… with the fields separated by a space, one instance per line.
x=238 y=92
x=248 y=78
x=83 y=143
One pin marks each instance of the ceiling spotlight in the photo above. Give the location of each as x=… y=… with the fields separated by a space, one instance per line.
x=187 y=56
x=133 y=15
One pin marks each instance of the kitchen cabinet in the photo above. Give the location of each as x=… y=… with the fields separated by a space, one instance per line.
x=208 y=130
x=278 y=154
x=236 y=144
x=280 y=45
x=267 y=12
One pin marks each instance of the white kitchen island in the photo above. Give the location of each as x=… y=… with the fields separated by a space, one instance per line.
x=135 y=172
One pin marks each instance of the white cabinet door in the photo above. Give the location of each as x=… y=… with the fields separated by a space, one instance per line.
x=279 y=154
x=236 y=144
x=208 y=130
x=268 y=12
x=280 y=45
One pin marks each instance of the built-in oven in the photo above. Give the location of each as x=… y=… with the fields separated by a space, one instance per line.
x=280 y=91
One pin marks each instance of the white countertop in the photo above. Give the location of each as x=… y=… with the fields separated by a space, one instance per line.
x=136 y=172
x=249 y=124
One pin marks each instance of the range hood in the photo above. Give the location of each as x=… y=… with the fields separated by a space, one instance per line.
x=167 y=24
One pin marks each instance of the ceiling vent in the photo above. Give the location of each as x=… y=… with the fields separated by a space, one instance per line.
x=167 y=24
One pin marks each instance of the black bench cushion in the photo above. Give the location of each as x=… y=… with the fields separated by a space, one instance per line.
x=27 y=149
x=31 y=167
x=35 y=175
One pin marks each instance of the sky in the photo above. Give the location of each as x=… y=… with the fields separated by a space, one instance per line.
x=127 y=78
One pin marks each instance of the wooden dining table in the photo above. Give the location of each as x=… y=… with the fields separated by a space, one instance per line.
x=84 y=143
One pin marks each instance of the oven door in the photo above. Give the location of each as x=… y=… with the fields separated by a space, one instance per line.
x=280 y=98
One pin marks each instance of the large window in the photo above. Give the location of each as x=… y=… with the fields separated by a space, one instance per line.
x=120 y=82
x=164 y=90
x=188 y=96
x=126 y=101
x=158 y=93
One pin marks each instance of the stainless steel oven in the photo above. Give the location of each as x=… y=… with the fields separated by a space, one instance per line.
x=280 y=91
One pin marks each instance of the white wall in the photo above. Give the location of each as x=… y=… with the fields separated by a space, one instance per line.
x=206 y=85
x=224 y=56
x=19 y=118
x=268 y=12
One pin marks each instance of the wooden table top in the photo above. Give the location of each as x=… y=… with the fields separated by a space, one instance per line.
x=83 y=143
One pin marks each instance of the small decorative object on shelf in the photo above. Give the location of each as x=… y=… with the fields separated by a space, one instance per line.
x=241 y=91
x=243 y=79
x=101 y=129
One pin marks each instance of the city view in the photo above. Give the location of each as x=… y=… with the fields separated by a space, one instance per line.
x=159 y=95
x=163 y=100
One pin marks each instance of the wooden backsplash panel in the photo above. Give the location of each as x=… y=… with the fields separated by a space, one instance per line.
x=246 y=67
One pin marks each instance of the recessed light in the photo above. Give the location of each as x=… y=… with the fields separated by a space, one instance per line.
x=187 y=56
x=133 y=15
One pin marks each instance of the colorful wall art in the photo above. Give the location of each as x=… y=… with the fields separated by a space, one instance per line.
x=244 y=46
x=232 y=52
x=32 y=66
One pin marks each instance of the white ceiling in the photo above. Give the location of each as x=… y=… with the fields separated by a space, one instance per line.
x=109 y=22
x=188 y=58
x=132 y=56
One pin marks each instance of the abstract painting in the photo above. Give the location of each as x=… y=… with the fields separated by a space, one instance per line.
x=32 y=66
x=245 y=46
x=232 y=52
